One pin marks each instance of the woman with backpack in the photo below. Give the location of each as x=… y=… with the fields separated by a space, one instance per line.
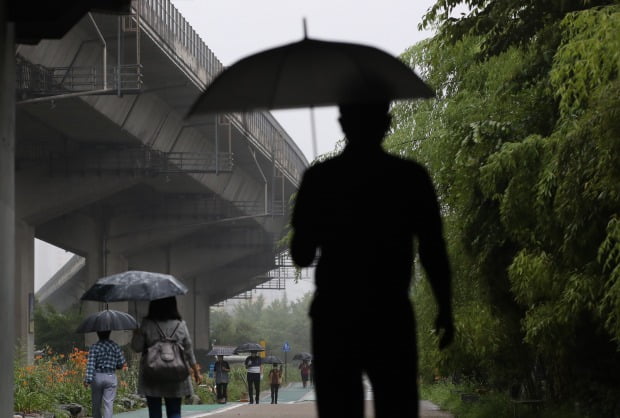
x=163 y=323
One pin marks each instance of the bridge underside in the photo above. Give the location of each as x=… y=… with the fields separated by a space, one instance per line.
x=115 y=175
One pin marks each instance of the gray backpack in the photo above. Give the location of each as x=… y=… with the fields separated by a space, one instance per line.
x=165 y=359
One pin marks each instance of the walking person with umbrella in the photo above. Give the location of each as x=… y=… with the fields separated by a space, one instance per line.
x=221 y=369
x=104 y=358
x=164 y=321
x=253 y=364
x=275 y=376
x=366 y=255
x=275 y=379
x=361 y=210
x=304 y=370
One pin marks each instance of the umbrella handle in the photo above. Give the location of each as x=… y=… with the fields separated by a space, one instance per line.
x=313 y=131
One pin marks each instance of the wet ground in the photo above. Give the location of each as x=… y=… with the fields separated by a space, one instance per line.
x=294 y=401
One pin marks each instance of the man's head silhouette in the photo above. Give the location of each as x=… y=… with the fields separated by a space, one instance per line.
x=365 y=124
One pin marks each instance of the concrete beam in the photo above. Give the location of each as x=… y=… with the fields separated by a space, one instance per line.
x=41 y=198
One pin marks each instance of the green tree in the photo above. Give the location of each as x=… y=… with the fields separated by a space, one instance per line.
x=276 y=323
x=522 y=141
x=55 y=330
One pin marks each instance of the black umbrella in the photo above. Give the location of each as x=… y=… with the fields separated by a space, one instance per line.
x=134 y=285
x=272 y=360
x=221 y=351
x=303 y=356
x=108 y=320
x=310 y=73
x=248 y=347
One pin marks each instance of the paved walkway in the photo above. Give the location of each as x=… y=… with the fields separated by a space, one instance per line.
x=294 y=401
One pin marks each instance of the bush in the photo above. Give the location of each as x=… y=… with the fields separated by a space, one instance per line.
x=485 y=403
x=55 y=379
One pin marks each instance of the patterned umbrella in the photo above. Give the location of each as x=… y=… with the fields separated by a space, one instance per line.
x=134 y=285
x=107 y=320
x=248 y=347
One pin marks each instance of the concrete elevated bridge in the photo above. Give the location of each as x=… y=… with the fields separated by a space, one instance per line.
x=107 y=167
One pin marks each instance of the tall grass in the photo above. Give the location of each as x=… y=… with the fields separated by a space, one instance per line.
x=472 y=401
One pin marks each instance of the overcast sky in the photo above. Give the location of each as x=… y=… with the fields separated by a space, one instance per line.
x=234 y=29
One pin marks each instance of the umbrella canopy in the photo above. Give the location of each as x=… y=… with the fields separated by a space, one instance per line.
x=221 y=351
x=134 y=285
x=108 y=320
x=310 y=73
x=302 y=356
x=248 y=347
x=272 y=360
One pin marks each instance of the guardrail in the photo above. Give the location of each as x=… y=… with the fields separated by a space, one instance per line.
x=179 y=36
x=35 y=80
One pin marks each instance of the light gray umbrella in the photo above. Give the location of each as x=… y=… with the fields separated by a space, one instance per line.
x=108 y=320
x=134 y=285
x=221 y=351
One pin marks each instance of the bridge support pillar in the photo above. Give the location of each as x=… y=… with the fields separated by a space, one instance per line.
x=7 y=211
x=24 y=290
x=201 y=320
x=116 y=263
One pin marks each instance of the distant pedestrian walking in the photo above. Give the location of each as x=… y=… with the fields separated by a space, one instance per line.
x=221 y=379
x=254 y=367
x=275 y=379
x=104 y=358
x=304 y=369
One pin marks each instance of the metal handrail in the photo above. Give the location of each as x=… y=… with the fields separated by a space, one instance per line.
x=172 y=28
x=37 y=80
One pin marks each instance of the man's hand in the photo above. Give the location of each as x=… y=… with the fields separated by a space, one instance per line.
x=444 y=327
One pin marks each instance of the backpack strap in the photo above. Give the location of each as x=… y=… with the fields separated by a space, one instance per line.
x=162 y=335
x=175 y=330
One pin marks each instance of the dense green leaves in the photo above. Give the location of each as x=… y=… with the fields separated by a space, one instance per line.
x=56 y=330
x=523 y=142
x=588 y=57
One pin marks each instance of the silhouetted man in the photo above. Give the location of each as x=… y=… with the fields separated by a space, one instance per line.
x=362 y=210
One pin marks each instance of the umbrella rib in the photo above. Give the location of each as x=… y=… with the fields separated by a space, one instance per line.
x=279 y=69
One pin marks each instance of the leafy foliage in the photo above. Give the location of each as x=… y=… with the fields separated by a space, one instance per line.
x=55 y=379
x=276 y=323
x=51 y=329
x=522 y=142
x=502 y=24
